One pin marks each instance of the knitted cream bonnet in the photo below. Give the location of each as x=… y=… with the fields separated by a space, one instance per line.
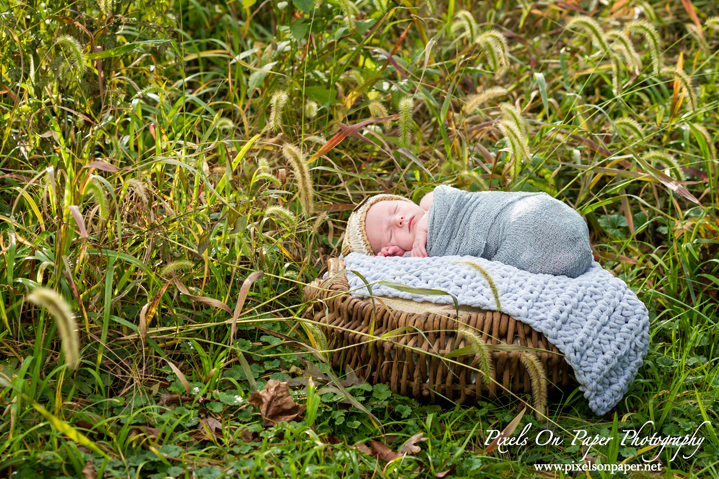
x=356 y=240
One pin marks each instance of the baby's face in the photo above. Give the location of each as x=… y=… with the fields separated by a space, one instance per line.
x=392 y=223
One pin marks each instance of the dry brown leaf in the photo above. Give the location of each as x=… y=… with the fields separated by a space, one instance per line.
x=249 y=436
x=312 y=371
x=447 y=473
x=628 y=212
x=179 y=375
x=244 y=290
x=210 y=427
x=79 y=220
x=88 y=472
x=410 y=446
x=155 y=389
x=362 y=447
x=506 y=433
x=383 y=452
x=345 y=132
x=216 y=303
x=351 y=379
x=101 y=165
x=275 y=403
x=147 y=431
x=143 y=323
x=213 y=424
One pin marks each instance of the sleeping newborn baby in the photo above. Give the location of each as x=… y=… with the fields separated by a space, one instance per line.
x=531 y=231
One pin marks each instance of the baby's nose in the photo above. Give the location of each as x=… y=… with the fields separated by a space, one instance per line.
x=400 y=220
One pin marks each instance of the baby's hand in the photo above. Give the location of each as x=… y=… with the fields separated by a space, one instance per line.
x=419 y=248
x=391 y=251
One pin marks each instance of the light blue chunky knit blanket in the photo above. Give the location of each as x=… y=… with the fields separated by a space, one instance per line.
x=595 y=320
x=532 y=231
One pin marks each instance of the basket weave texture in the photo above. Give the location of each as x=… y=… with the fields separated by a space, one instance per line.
x=402 y=362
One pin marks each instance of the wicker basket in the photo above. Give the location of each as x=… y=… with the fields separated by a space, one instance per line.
x=411 y=372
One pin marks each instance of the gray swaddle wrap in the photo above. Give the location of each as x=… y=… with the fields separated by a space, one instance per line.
x=531 y=231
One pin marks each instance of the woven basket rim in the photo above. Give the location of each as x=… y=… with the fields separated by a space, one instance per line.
x=335 y=286
x=407 y=350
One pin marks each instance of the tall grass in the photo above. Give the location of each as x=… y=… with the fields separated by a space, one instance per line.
x=144 y=158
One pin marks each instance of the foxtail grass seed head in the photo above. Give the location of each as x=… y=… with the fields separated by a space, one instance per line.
x=138 y=188
x=263 y=166
x=311 y=109
x=381 y=5
x=626 y=126
x=350 y=10
x=74 y=51
x=302 y=174
x=643 y=7
x=340 y=90
x=686 y=84
x=652 y=38
x=105 y=6
x=538 y=378
x=282 y=214
x=60 y=311
x=487 y=277
x=698 y=36
x=406 y=106
x=259 y=176
x=263 y=172
x=377 y=109
x=592 y=28
x=474 y=101
x=428 y=53
x=480 y=349
x=316 y=139
x=473 y=176
x=511 y=113
x=355 y=76
x=494 y=62
x=712 y=23
x=317 y=338
x=516 y=137
x=625 y=47
x=654 y=157
x=318 y=222
x=494 y=44
x=465 y=22
x=98 y=193
x=518 y=142
x=153 y=89
x=224 y=124
x=176 y=266
x=431 y=6
x=277 y=105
